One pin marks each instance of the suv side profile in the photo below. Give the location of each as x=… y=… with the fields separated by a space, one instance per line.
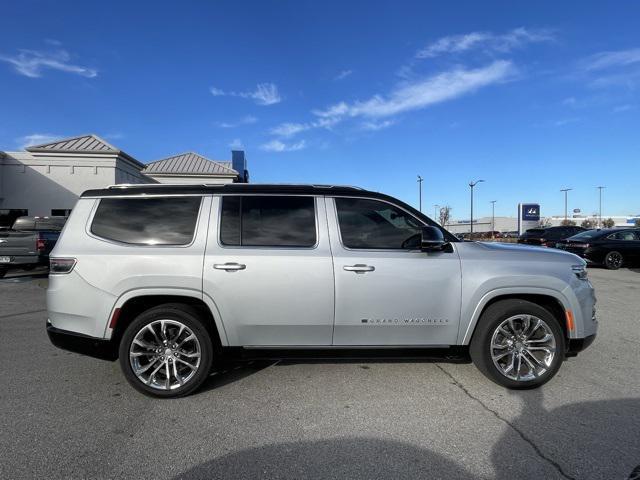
x=170 y=278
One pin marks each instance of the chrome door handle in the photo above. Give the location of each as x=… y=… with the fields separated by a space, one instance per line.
x=229 y=267
x=359 y=268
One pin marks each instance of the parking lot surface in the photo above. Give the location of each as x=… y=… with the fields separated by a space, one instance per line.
x=67 y=416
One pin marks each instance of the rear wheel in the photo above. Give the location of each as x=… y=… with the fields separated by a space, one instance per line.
x=166 y=351
x=613 y=260
x=518 y=344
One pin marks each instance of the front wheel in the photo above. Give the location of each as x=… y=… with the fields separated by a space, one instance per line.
x=166 y=351
x=518 y=344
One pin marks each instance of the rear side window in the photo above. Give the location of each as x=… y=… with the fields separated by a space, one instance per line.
x=147 y=221
x=268 y=221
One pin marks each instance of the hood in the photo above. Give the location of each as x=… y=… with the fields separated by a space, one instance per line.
x=514 y=251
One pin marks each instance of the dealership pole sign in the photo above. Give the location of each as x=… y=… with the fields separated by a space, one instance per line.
x=528 y=216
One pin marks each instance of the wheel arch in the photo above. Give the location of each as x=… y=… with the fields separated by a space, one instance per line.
x=131 y=304
x=549 y=299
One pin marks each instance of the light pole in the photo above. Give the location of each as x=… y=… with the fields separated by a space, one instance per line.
x=493 y=218
x=600 y=210
x=565 y=190
x=420 y=180
x=473 y=184
x=435 y=210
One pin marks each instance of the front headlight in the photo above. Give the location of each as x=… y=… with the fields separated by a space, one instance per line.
x=580 y=271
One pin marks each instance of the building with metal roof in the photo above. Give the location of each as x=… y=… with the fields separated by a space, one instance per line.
x=47 y=179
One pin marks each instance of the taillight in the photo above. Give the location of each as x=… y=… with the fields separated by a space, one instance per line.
x=40 y=244
x=61 y=265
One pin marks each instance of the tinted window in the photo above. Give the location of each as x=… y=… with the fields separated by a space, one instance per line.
x=372 y=224
x=268 y=221
x=147 y=221
x=628 y=235
x=587 y=235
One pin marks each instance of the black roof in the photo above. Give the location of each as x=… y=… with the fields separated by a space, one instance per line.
x=168 y=189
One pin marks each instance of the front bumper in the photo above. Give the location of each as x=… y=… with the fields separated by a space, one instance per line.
x=83 y=344
x=576 y=345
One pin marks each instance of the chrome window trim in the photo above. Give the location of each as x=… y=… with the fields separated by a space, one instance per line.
x=142 y=245
x=266 y=247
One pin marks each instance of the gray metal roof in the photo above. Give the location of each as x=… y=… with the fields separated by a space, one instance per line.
x=84 y=143
x=189 y=163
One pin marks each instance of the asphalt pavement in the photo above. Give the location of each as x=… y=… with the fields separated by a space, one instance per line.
x=63 y=415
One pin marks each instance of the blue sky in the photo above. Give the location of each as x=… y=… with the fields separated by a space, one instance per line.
x=530 y=96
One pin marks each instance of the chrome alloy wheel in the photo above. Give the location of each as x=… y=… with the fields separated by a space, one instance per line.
x=165 y=354
x=523 y=347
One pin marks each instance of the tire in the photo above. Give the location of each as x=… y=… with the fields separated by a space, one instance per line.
x=613 y=260
x=3 y=271
x=188 y=361
x=488 y=334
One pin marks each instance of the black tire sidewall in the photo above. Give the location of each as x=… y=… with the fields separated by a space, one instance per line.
x=495 y=314
x=613 y=267
x=184 y=314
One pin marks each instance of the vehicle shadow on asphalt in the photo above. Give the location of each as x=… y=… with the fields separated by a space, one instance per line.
x=597 y=439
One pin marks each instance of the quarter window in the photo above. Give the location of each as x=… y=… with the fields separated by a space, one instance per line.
x=268 y=221
x=371 y=224
x=147 y=221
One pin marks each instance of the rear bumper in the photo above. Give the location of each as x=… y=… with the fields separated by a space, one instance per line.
x=25 y=260
x=83 y=344
x=576 y=345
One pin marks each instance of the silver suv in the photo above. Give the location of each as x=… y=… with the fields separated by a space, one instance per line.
x=171 y=278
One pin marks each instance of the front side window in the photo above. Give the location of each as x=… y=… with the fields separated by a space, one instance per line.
x=147 y=221
x=371 y=224
x=268 y=221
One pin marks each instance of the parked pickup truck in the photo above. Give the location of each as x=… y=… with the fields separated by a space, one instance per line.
x=28 y=242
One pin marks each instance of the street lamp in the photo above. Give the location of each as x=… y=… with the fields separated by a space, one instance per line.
x=493 y=218
x=600 y=210
x=420 y=180
x=565 y=190
x=473 y=184
x=435 y=210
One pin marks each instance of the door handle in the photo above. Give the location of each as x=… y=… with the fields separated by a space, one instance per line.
x=359 y=268
x=229 y=267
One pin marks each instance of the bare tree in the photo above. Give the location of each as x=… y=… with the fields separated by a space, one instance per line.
x=608 y=223
x=637 y=222
x=445 y=215
x=586 y=223
x=544 y=222
x=568 y=223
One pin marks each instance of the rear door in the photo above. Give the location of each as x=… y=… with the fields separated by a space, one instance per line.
x=268 y=269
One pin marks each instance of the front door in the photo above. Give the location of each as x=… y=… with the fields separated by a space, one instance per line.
x=268 y=269
x=388 y=292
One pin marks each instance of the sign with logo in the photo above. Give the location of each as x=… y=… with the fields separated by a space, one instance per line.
x=528 y=216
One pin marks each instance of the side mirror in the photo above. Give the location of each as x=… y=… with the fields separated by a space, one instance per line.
x=432 y=239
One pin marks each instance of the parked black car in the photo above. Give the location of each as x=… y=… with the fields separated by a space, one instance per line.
x=549 y=236
x=610 y=247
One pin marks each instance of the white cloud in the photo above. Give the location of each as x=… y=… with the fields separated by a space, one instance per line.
x=423 y=93
x=36 y=139
x=375 y=126
x=278 y=146
x=290 y=129
x=343 y=74
x=566 y=121
x=236 y=144
x=247 y=120
x=487 y=41
x=264 y=94
x=604 y=60
x=31 y=63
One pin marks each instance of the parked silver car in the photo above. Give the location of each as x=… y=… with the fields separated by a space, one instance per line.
x=170 y=278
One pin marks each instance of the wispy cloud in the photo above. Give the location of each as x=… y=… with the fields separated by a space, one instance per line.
x=36 y=139
x=375 y=126
x=248 y=120
x=487 y=41
x=565 y=121
x=236 y=144
x=32 y=63
x=343 y=74
x=279 y=146
x=263 y=94
x=604 y=60
x=423 y=93
x=623 y=108
x=289 y=129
